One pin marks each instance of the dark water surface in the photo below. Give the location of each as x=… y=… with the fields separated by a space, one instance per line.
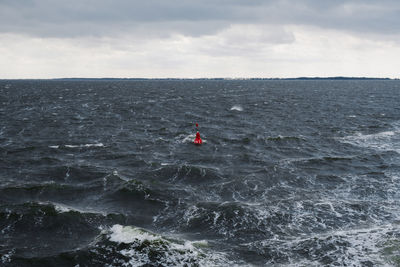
x=298 y=173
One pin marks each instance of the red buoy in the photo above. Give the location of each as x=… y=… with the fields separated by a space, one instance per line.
x=197 y=140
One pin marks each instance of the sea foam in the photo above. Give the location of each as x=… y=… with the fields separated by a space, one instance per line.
x=237 y=108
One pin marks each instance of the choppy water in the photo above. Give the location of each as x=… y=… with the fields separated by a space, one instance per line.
x=301 y=173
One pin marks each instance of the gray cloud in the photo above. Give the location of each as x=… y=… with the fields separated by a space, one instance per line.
x=59 y=18
x=203 y=38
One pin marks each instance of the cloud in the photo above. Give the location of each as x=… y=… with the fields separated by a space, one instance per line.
x=310 y=51
x=208 y=38
x=59 y=18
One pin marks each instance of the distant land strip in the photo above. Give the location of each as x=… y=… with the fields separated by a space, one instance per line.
x=208 y=79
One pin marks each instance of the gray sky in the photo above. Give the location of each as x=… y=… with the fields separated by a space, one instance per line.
x=209 y=38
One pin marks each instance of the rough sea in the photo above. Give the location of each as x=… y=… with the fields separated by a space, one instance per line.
x=291 y=173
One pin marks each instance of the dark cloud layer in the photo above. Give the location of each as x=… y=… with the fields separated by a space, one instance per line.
x=60 y=18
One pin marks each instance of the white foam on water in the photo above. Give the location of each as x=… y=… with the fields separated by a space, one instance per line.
x=237 y=108
x=86 y=145
x=6 y=258
x=175 y=252
x=126 y=234
x=377 y=245
x=78 y=146
x=188 y=138
x=382 y=141
x=330 y=205
x=62 y=208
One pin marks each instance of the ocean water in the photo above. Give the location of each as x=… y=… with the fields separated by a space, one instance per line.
x=291 y=173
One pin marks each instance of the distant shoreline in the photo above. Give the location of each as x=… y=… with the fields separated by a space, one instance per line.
x=202 y=79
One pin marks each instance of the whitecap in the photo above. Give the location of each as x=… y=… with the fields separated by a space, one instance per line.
x=126 y=234
x=62 y=208
x=78 y=146
x=377 y=245
x=182 y=138
x=237 y=108
x=6 y=257
x=381 y=141
x=177 y=251
x=85 y=145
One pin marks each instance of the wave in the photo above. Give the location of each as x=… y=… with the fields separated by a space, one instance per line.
x=375 y=246
x=232 y=220
x=327 y=159
x=59 y=228
x=64 y=192
x=109 y=193
x=186 y=174
x=285 y=138
x=22 y=149
x=77 y=146
x=120 y=245
x=142 y=247
x=237 y=108
x=381 y=141
x=49 y=172
x=46 y=207
x=316 y=162
x=188 y=138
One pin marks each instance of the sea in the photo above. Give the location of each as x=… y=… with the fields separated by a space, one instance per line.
x=290 y=173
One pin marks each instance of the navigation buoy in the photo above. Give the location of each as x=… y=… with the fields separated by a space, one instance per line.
x=197 y=140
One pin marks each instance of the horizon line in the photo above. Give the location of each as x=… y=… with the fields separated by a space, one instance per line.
x=208 y=78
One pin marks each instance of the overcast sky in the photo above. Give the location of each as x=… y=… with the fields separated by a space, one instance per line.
x=203 y=38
